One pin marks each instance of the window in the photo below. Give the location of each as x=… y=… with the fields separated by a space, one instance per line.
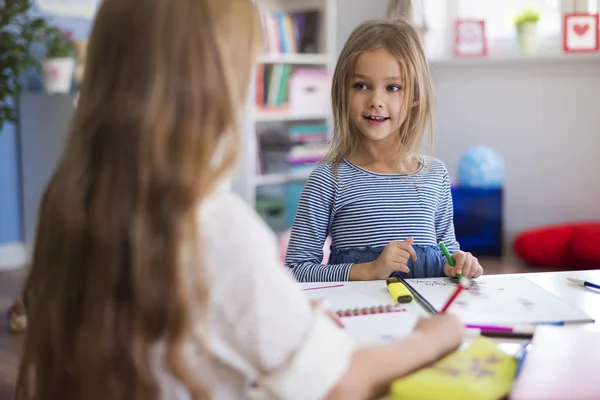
x=499 y=15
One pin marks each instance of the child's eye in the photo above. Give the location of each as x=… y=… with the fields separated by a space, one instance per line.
x=394 y=88
x=360 y=86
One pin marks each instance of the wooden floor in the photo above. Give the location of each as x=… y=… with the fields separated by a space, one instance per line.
x=10 y=286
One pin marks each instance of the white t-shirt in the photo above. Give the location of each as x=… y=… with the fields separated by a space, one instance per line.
x=261 y=327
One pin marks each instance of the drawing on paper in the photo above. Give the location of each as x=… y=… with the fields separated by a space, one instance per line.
x=496 y=301
x=471 y=366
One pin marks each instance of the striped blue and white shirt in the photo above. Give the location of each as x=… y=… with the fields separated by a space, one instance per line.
x=363 y=209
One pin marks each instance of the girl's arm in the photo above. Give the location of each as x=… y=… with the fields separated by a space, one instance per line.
x=373 y=369
x=311 y=227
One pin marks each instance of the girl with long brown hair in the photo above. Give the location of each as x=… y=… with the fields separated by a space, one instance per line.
x=149 y=279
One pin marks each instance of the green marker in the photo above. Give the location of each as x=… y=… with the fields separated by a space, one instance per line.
x=449 y=258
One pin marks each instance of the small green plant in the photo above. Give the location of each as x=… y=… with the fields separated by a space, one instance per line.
x=59 y=43
x=18 y=30
x=527 y=16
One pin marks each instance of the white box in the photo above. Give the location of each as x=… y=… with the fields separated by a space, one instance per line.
x=309 y=91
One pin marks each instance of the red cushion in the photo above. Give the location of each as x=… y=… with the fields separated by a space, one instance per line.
x=574 y=245
x=585 y=246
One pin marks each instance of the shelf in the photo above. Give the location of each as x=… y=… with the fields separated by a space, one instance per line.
x=279 y=179
x=294 y=58
x=285 y=115
x=516 y=60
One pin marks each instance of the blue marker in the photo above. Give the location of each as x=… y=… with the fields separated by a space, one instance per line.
x=525 y=347
x=556 y=323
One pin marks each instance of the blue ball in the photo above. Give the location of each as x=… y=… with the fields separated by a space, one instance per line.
x=481 y=167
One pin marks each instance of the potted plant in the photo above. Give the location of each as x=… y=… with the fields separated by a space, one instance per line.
x=59 y=65
x=18 y=30
x=526 y=24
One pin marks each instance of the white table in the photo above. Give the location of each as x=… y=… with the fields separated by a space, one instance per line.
x=587 y=300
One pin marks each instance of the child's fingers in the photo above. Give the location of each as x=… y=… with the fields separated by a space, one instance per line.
x=478 y=270
x=459 y=259
x=449 y=271
x=400 y=266
x=407 y=247
x=467 y=267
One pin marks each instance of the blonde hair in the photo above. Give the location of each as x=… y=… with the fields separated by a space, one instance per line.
x=162 y=87
x=402 y=40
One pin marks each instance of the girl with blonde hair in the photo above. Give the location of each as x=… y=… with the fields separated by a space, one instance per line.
x=150 y=279
x=385 y=206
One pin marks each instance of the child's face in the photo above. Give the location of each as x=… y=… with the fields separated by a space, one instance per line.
x=375 y=96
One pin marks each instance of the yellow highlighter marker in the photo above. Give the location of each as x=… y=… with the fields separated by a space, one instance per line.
x=398 y=291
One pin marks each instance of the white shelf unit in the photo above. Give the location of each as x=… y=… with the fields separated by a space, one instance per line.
x=248 y=177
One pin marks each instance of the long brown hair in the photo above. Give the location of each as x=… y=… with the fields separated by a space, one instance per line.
x=403 y=41
x=164 y=81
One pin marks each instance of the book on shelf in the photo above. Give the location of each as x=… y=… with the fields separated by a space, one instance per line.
x=272 y=84
x=295 y=150
x=281 y=85
x=290 y=32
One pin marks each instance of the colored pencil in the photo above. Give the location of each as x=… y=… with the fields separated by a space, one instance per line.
x=422 y=301
x=510 y=329
x=325 y=287
x=582 y=282
x=525 y=348
x=459 y=289
x=450 y=259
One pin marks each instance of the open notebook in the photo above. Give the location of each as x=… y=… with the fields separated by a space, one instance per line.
x=367 y=329
x=506 y=300
x=490 y=301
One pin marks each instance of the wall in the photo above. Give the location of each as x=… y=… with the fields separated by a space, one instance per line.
x=352 y=12
x=542 y=116
x=11 y=233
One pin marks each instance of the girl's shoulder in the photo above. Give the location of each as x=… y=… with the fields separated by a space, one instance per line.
x=433 y=165
x=325 y=174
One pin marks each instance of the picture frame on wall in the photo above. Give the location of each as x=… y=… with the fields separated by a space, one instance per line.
x=469 y=38
x=580 y=32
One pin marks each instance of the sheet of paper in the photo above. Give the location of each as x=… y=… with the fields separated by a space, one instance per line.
x=367 y=329
x=497 y=301
x=375 y=329
x=342 y=298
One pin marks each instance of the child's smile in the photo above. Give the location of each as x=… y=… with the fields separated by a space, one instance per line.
x=376 y=119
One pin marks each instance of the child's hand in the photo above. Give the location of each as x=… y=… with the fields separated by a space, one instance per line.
x=443 y=330
x=466 y=264
x=394 y=258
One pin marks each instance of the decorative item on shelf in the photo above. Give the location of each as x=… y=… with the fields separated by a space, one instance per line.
x=481 y=167
x=469 y=38
x=59 y=65
x=309 y=90
x=526 y=25
x=580 y=33
x=19 y=30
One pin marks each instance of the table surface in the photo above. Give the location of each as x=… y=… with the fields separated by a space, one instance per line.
x=583 y=298
x=587 y=300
